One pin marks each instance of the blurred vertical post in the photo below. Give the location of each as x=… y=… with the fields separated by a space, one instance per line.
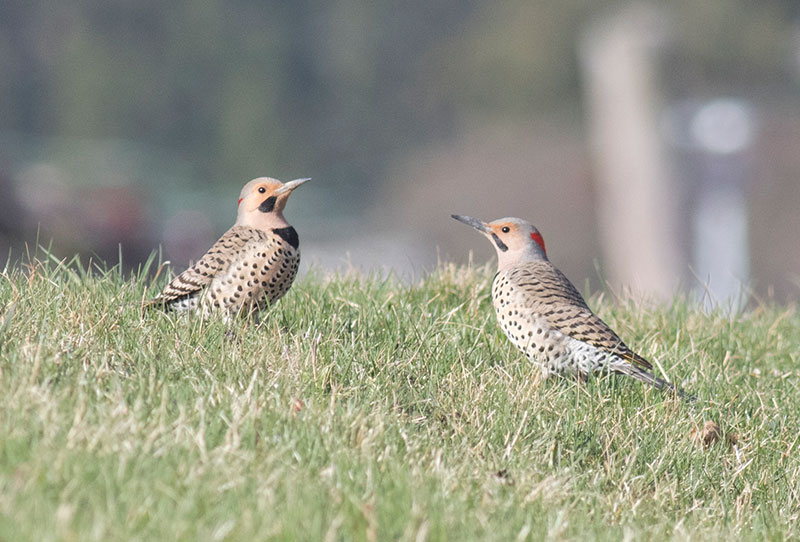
x=638 y=198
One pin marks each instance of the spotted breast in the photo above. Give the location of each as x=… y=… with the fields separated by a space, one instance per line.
x=251 y=266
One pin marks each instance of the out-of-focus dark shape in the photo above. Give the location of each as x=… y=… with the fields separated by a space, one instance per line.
x=93 y=221
x=11 y=216
x=114 y=216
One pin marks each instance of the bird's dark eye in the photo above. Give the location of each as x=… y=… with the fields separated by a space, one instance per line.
x=506 y=229
x=261 y=189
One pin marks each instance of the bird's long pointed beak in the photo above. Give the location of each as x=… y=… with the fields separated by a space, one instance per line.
x=474 y=222
x=291 y=185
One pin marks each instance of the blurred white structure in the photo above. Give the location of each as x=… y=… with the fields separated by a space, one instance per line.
x=638 y=197
x=649 y=212
x=714 y=138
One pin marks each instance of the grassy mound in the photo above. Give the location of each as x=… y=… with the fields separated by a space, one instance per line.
x=363 y=408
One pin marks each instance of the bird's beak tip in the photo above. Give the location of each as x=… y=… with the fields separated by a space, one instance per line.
x=291 y=185
x=471 y=221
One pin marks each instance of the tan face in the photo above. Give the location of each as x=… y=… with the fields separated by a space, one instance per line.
x=258 y=193
x=262 y=200
x=511 y=237
x=516 y=235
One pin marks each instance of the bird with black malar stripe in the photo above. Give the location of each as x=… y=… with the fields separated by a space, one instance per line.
x=545 y=317
x=251 y=266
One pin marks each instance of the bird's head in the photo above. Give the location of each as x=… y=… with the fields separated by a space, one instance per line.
x=262 y=201
x=515 y=240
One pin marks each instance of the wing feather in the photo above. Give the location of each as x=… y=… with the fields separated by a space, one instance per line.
x=216 y=261
x=541 y=287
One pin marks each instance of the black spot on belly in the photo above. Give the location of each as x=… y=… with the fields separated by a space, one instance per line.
x=288 y=234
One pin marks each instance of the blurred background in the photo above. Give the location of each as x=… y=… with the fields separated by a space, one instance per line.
x=656 y=146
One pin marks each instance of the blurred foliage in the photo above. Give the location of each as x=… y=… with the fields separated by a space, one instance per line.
x=292 y=88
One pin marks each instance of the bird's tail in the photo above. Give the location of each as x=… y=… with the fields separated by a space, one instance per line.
x=644 y=376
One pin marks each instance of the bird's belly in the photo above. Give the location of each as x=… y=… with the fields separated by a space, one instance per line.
x=253 y=282
x=279 y=279
x=553 y=350
x=188 y=303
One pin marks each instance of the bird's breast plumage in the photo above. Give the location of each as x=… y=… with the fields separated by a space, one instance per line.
x=258 y=275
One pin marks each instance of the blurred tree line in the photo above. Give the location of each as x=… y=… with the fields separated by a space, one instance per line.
x=296 y=87
x=130 y=122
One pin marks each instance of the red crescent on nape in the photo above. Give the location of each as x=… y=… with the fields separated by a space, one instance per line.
x=539 y=240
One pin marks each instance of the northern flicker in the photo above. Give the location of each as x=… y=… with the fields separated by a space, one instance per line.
x=251 y=266
x=545 y=317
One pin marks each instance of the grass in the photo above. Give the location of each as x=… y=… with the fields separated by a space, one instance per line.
x=362 y=408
